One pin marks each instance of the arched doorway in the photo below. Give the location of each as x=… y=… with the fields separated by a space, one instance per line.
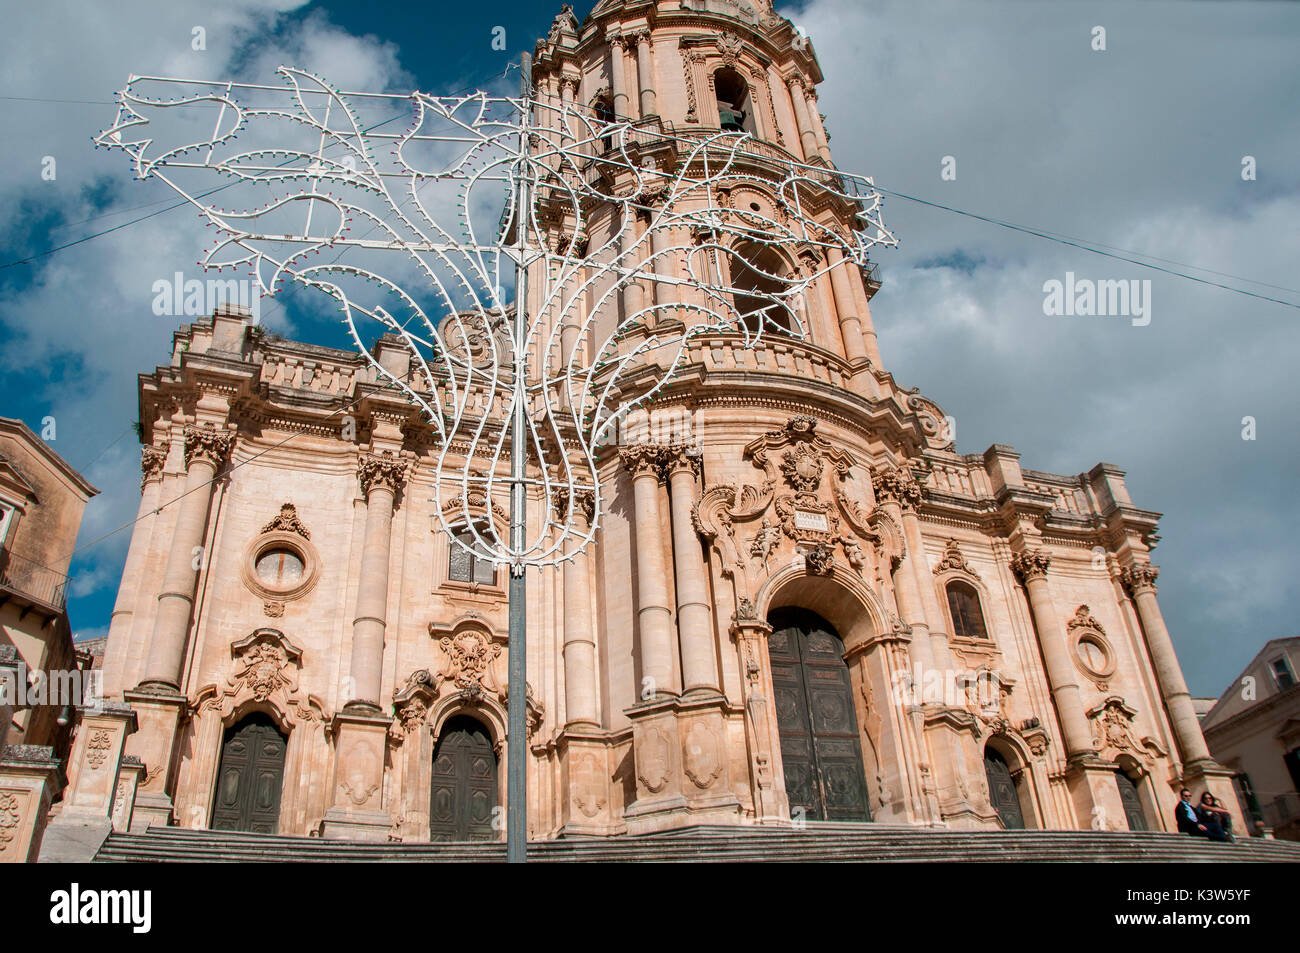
x=820 y=746
x=1132 y=801
x=251 y=777
x=1002 y=790
x=464 y=789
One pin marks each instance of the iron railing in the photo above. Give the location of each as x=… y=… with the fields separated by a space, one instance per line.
x=33 y=580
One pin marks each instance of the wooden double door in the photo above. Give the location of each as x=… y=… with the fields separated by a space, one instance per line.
x=816 y=719
x=1002 y=790
x=1132 y=801
x=250 y=779
x=463 y=794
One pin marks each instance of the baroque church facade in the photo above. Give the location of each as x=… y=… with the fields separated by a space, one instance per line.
x=802 y=602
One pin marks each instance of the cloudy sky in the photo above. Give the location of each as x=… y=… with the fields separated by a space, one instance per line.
x=1137 y=148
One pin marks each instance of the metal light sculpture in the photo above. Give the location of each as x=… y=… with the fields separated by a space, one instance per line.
x=476 y=194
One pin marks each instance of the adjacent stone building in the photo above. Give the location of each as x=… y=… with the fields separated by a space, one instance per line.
x=1254 y=729
x=42 y=499
x=802 y=603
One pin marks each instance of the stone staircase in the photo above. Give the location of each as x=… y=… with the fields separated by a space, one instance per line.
x=820 y=842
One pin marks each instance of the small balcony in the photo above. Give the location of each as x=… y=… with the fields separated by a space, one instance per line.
x=32 y=582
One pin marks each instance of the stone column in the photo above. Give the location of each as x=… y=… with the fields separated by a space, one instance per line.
x=361 y=728
x=895 y=492
x=901 y=487
x=1140 y=580
x=846 y=306
x=579 y=642
x=618 y=77
x=1031 y=566
x=634 y=296
x=819 y=130
x=807 y=137
x=654 y=618
x=206 y=449
x=645 y=74
x=694 y=614
x=666 y=292
x=818 y=302
x=381 y=477
x=152 y=460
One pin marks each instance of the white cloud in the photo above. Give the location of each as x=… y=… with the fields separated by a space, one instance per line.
x=1138 y=147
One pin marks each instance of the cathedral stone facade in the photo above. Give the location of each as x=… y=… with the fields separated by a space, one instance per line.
x=802 y=602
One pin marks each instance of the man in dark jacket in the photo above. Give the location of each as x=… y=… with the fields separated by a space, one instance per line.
x=1188 y=822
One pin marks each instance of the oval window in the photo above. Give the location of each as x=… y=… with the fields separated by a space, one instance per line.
x=279 y=568
x=1092 y=655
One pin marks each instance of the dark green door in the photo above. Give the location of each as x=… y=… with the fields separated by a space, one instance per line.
x=251 y=777
x=464 y=790
x=1002 y=790
x=820 y=748
x=1128 y=796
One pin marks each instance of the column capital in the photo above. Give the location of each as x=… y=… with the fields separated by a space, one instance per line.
x=642 y=459
x=680 y=457
x=1140 y=578
x=897 y=485
x=207 y=444
x=571 y=83
x=640 y=36
x=1030 y=564
x=617 y=41
x=584 y=502
x=384 y=469
x=152 y=460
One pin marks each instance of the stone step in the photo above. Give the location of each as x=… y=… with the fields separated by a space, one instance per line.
x=817 y=843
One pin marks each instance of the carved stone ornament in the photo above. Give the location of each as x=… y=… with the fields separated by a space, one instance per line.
x=152 y=461
x=1140 y=577
x=264 y=668
x=385 y=470
x=470 y=653
x=641 y=459
x=653 y=759
x=703 y=757
x=803 y=467
x=11 y=815
x=934 y=423
x=1112 y=727
x=954 y=561
x=287 y=522
x=1031 y=564
x=584 y=502
x=207 y=444
x=897 y=485
x=820 y=560
x=586 y=781
x=97 y=747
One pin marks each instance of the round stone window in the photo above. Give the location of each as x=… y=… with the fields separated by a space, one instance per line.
x=1093 y=654
x=280 y=566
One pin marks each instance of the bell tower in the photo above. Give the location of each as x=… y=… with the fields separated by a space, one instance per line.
x=683 y=71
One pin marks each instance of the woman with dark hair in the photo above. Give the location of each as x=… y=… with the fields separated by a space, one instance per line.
x=1223 y=816
x=1212 y=818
